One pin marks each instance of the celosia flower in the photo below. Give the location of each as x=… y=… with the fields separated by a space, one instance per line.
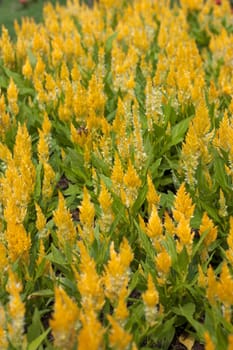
x=27 y=70
x=86 y=216
x=117 y=271
x=163 y=264
x=208 y=225
x=12 y=97
x=118 y=337
x=89 y=283
x=91 y=333
x=65 y=320
x=66 y=231
x=121 y=311
x=15 y=311
x=152 y=196
x=183 y=206
x=151 y=300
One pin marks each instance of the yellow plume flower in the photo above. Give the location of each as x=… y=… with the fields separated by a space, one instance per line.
x=27 y=69
x=86 y=216
x=89 y=283
x=66 y=231
x=207 y=224
x=152 y=196
x=154 y=227
x=65 y=320
x=91 y=333
x=12 y=97
x=117 y=271
x=151 y=300
x=15 y=311
x=183 y=206
x=118 y=337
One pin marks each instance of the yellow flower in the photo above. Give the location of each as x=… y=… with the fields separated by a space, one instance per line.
x=154 y=228
x=121 y=311
x=40 y=219
x=48 y=181
x=151 y=300
x=27 y=69
x=183 y=206
x=91 y=333
x=15 y=311
x=117 y=271
x=152 y=196
x=208 y=225
x=184 y=234
x=118 y=337
x=131 y=178
x=163 y=263
x=12 y=97
x=86 y=216
x=107 y=216
x=201 y=277
x=65 y=320
x=89 y=283
x=66 y=231
x=212 y=286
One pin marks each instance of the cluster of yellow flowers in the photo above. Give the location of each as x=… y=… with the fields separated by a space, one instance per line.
x=100 y=96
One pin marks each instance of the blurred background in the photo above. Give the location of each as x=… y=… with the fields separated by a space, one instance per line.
x=15 y=9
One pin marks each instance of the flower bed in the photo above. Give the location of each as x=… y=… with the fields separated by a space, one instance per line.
x=116 y=161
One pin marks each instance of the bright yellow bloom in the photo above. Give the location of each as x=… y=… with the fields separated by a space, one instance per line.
x=151 y=300
x=212 y=286
x=15 y=311
x=163 y=264
x=183 y=206
x=154 y=228
x=105 y=200
x=66 y=231
x=208 y=225
x=91 y=333
x=152 y=196
x=12 y=97
x=40 y=219
x=131 y=178
x=65 y=320
x=117 y=271
x=48 y=181
x=89 y=283
x=86 y=216
x=121 y=311
x=118 y=337
x=27 y=69
x=201 y=277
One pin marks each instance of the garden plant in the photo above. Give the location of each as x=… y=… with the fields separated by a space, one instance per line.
x=116 y=177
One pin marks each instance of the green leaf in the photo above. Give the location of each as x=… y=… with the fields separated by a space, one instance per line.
x=38 y=182
x=220 y=174
x=187 y=311
x=178 y=132
x=56 y=256
x=109 y=41
x=38 y=341
x=42 y=293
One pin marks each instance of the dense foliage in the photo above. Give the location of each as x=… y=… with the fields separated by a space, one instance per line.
x=117 y=177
